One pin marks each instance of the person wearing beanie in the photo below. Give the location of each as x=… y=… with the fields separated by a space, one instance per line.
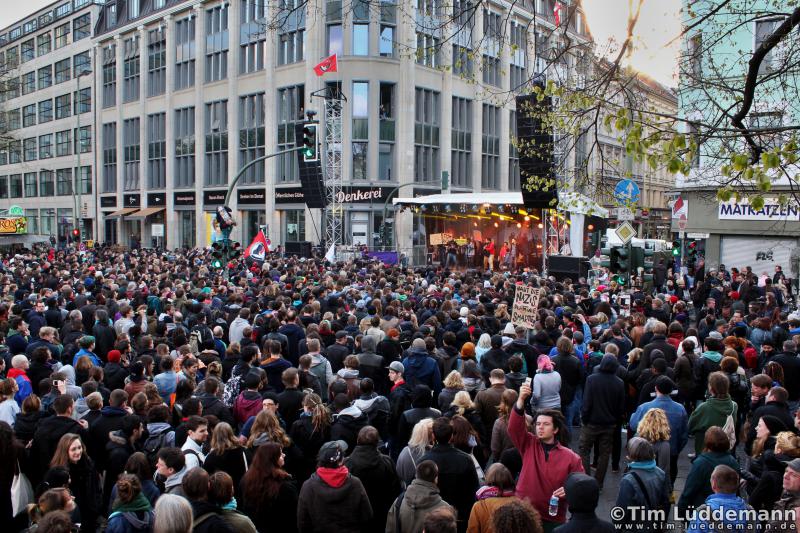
x=136 y=380
x=583 y=495
x=420 y=368
x=115 y=371
x=467 y=351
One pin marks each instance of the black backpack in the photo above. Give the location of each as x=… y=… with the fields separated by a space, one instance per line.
x=152 y=445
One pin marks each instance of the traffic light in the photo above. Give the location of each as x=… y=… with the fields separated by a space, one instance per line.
x=676 y=247
x=619 y=279
x=693 y=249
x=234 y=250
x=76 y=235
x=309 y=149
x=620 y=260
x=216 y=255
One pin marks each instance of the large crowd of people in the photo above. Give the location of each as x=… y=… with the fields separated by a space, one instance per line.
x=145 y=391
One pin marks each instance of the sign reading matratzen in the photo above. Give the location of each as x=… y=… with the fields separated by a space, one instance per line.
x=526 y=303
x=772 y=210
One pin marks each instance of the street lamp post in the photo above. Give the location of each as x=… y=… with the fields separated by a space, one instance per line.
x=76 y=190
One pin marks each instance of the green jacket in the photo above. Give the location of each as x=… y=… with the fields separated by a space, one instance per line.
x=712 y=412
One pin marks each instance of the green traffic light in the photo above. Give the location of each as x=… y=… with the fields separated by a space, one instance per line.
x=676 y=252
x=216 y=263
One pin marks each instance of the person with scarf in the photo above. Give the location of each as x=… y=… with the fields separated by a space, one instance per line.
x=131 y=511
x=332 y=499
x=87 y=343
x=498 y=491
x=18 y=373
x=645 y=487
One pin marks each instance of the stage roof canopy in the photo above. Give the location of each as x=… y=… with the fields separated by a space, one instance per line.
x=570 y=202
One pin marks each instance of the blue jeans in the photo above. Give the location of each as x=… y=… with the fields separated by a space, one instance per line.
x=573 y=411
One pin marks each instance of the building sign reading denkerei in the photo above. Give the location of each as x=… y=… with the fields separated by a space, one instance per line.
x=348 y=195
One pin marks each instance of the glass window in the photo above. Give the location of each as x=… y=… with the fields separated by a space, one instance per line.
x=82 y=27
x=47 y=184
x=110 y=157
x=31 y=189
x=252 y=37
x=109 y=76
x=63 y=106
x=157 y=150
x=84 y=179
x=28 y=51
x=45 y=111
x=360 y=150
x=33 y=219
x=426 y=136
x=48 y=217
x=291 y=33
x=130 y=70
x=15 y=185
x=63 y=143
x=29 y=82
x=83 y=139
x=216 y=132
x=335 y=41
x=185 y=53
x=490 y=143
x=295 y=226
x=290 y=112
x=29 y=149
x=156 y=62
x=44 y=43
x=3 y=187
x=63 y=69
x=386 y=46
x=133 y=9
x=251 y=136
x=360 y=131
x=63 y=181
x=83 y=101
x=29 y=115
x=62 y=35
x=385 y=161
x=131 y=153
x=46 y=146
x=81 y=63
x=388 y=22
x=461 y=143
x=519 y=55
x=360 y=39
x=45 y=77
x=63 y=10
x=184 y=147
x=217 y=43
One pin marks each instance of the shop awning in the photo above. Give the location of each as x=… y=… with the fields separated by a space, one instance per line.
x=570 y=202
x=122 y=212
x=144 y=213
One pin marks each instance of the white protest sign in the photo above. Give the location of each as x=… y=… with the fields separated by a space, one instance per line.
x=526 y=302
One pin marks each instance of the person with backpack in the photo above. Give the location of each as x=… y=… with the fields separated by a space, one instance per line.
x=207 y=517
x=197 y=434
x=320 y=367
x=420 y=368
x=131 y=512
x=235 y=384
x=719 y=410
x=409 y=510
x=645 y=487
x=249 y=402
x=159 y=433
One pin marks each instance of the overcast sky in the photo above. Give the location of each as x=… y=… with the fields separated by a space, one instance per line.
x=659 y=23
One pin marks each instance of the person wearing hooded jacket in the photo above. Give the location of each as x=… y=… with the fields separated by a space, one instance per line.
x=333 y=499
x=708 y=362
x=376 y=407
x=249 y=402
x=121 y=445
x=712 y=412
x=408 y=512
x=212 y=405
x=420 y=368
x=347 y=420
x=376 y=472
x=582 y=495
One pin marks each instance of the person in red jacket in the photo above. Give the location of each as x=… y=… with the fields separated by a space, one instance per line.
x=546 y=459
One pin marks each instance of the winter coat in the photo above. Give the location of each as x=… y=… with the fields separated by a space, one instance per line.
x=712 y=412
x=541 y=474
x=379 y=478
x=294 y=335
x=341 y=507
x=377 y=410
x=407 y=464
x=248 y=403
x=791 y=372
x=321 y=368
x=26 y=424
x=655 y=495
x=683 y=372
x=458 y=480
x=346 y=425
x=486 y=403
x=104 y=339
x=446 y=397
x=208 y=518
x=36 y=373
x=658 y=342
x=734 y=511
x=351 y=379
x=769 y=487
x=232 y=461
x=114 y=375
x=572 y=375
x=494 y=358
x=419 y=499
x=309 y=442
x=422 y=369
x=676 y=417
x=581 y=494
x=698 y=481
x=779 y=410
x=110 y=420
x=290 y=405
x=118 y=451
x=126 y=520
x=48 y=433
x=705 y=365
x=274 y=368
x=409 y=419
x=604 y=395
x=212 y=405
x=276 y=514
x=85 y=487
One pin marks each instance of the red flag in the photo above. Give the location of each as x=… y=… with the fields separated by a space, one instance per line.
x=557 y=13
x=327 y=65
x=257 y=251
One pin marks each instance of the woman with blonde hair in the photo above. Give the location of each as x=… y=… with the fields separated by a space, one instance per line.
x=654 y=428
x=768 y=488
x=226 y=454
x=418 y=445
x=452 y=385
x=463 y=406
x=484 y=345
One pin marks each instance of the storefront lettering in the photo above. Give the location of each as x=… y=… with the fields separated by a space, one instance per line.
x=16 y=225
x=359 y=196
x=730 y=210
x=764 y=256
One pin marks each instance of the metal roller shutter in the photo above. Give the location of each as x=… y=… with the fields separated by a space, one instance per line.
x=759 y=253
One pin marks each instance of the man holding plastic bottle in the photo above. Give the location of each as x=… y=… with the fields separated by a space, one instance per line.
x=547 y=460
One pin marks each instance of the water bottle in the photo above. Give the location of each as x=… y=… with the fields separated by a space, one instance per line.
x=553 y=509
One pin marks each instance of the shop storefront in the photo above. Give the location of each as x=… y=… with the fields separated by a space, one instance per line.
x=736 y=235
x=251 y=204
x=152 y=220
x=211 y=200
x=184 y=202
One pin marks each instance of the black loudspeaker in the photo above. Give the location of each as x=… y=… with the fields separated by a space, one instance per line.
x=567 y=266
x=300 y=249
x=535 y=147
x=310 y=175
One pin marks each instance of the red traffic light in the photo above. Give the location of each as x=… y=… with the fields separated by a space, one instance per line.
x=590 y=227
x=76 y=232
